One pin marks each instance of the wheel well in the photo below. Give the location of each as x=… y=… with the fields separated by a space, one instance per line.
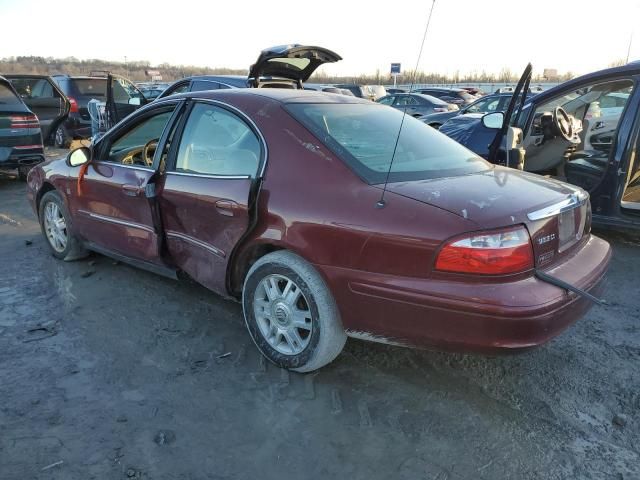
x=243 y=263
x=46 y=187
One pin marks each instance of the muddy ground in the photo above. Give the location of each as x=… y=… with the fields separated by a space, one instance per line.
x=109 y=372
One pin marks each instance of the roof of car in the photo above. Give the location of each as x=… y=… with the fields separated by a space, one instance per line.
x=442 y=89
x=283 y=95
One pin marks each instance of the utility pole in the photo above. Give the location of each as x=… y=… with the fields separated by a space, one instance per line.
x=629 y=48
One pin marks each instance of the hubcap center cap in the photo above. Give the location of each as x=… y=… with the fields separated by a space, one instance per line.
x=281 y=313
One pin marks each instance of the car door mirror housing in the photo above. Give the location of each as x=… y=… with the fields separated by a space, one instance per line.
x=79 y=156
x=135 y=101
x=493 y=120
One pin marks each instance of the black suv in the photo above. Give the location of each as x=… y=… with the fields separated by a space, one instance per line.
x=80 y=90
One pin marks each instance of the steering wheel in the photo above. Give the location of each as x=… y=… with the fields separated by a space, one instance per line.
x=563 y=123
x=148 y=160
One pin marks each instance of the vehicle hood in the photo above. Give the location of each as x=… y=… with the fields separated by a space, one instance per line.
x=440 y=117
x=294 y=62
x=496 y=197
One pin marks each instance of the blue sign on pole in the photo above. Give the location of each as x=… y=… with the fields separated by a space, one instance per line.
x=395 y=68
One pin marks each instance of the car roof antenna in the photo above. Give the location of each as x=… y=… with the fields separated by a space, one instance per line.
x=381 y=203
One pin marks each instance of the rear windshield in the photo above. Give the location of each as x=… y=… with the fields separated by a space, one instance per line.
x=93 y=87
x=7 y=97
x=364 y=136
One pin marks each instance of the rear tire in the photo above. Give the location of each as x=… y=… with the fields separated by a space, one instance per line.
x=57 y=228
x=290 y=313
x=61 y=138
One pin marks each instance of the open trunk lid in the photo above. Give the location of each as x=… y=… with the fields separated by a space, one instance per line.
x=294 y=62
x=557 y=215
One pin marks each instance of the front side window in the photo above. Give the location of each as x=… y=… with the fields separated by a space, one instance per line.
x=137 y=146
x=485 y=106
x=364 y=137
x=180 y=88
x=125 y=92
x=32 y=88
x=388 y=100
x=217 y=142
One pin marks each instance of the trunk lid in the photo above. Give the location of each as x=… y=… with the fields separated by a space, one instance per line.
x=556 y=214
x=293 y=62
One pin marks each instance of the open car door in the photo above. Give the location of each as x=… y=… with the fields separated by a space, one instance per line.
x=123 y=98
x=511 y=114
x=44 y=98
x=292 y=62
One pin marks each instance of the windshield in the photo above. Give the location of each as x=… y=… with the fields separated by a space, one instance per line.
x=364 y=136
x=594 y=100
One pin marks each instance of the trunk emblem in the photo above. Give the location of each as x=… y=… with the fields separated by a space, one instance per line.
x=546 y=239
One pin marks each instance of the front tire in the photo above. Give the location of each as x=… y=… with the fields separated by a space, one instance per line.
x=56 y=226
x=290 y=313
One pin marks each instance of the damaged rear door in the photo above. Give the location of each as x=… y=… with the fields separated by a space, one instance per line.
x=210 y=185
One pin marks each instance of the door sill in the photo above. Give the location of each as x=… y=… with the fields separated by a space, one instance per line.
x=142 y=264
x=630 y=206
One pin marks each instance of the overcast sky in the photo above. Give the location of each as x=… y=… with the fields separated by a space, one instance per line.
x=465 y=35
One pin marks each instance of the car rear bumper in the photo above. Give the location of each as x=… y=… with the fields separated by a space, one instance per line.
x=482 y=317
x=15 y=157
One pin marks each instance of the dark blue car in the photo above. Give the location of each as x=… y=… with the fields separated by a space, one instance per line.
x=496 y=102
x=584 y=131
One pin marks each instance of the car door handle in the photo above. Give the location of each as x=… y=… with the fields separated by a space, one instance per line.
x=132 y=190
x=226 y=207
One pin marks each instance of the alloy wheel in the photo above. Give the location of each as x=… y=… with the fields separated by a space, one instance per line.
x=283 y=314
x=55 y=227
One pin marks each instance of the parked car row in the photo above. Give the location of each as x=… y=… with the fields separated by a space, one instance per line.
x=402 y=237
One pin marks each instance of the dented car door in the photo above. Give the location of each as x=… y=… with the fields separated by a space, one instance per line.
x=207 y=192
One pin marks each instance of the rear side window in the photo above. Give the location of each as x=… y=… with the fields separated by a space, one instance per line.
x=92 y=87
x=217 y=142
x=364 y=136
x=7 y=97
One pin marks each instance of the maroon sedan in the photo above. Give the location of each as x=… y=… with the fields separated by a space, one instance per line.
x=275 y=198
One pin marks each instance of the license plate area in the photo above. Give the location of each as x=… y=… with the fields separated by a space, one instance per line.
x=571 y=227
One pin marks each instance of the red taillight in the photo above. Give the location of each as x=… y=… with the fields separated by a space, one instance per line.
x=489 y=253
x=73 y=105
x=24 y=121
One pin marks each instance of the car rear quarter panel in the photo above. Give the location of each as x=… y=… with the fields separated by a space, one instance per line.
x=311 y=203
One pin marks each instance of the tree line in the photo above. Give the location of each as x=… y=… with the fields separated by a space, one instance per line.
x=137 y=71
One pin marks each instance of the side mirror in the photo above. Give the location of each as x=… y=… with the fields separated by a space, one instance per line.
x=135 y=101
x=79 y=156
x=493 y=120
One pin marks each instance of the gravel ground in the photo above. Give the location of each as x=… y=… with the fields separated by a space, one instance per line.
x=110 y=372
